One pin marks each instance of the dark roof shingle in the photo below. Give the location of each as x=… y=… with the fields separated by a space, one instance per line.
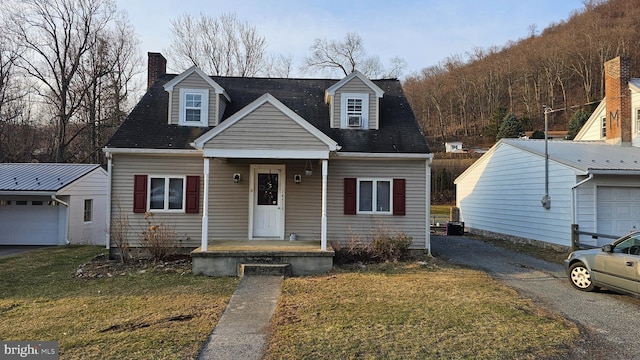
x=147 y=127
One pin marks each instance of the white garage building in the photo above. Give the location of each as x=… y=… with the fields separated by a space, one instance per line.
x=593 y=181
x=52 y=204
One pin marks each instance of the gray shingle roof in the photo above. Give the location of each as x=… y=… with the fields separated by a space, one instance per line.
x=586 y=156
x=146 y=126
x=41 y=177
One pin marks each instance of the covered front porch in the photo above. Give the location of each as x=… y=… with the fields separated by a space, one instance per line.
x=237 y=257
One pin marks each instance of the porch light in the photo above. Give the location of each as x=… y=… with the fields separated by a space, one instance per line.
x=297 y=178
x=308 y=168
x=236 y=178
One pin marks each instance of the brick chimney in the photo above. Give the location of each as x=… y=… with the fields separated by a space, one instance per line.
x=156 y=68
x=617 y=73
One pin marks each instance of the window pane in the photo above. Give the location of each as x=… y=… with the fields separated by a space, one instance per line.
x=88 y=205
x=192 y=115
x=267 y=189
x=383 y=196
x=366 y=196
x=354 y=106
x=194 y=100
x=175 y=193
x=157 y=194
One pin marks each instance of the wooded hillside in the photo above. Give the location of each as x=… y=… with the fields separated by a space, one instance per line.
x=465 y=97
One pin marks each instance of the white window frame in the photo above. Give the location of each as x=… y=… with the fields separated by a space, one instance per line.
x=638 y=120
x=344 y=118
x=204 y=109
x=88 y=211
x=603 y=127
x=166 y=193
x=374 y=196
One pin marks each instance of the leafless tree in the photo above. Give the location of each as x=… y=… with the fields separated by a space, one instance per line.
x=223 y=46
x=56 y=37
x=346 y=56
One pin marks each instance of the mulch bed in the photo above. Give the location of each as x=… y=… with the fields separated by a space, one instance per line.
x=102 y=267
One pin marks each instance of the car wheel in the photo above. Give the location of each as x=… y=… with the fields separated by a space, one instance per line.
x=581 y=277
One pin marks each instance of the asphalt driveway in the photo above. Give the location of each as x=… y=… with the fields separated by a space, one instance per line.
x=6 y=250
x=610 y=322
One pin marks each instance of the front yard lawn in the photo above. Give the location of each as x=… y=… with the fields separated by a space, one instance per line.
x=411 y=310
x=138 y=314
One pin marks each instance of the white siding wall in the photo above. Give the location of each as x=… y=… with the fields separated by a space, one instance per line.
x=342 y=227
x=93 y=186
x=635 y=105
x=587 y=207
x=502 y=194
x=187 y=226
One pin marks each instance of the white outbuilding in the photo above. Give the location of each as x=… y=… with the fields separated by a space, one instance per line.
x=53 y=204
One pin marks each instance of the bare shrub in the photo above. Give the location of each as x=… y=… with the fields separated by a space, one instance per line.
x=159 y=239
x=119 y=232
x=385 y=244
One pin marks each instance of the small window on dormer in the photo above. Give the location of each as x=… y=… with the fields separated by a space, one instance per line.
x=194 y=105
x=603 y=132
x=355 y=111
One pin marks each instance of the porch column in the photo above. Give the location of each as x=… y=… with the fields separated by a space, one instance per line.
x=323 y=231
x=205 y=207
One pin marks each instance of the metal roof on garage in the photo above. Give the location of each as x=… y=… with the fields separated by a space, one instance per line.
x=586 y=156
x=41 y=176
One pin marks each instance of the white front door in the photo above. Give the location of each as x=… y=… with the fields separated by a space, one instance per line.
x=267 y=201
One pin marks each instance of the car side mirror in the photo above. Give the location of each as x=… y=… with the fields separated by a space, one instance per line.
x=607 y=248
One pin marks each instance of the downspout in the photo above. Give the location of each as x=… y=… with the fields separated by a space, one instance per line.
x=66 y=230
x=428 y=204
x=573 y=197
x=109 y=174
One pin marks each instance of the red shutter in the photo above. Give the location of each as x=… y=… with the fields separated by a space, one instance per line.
x=399 y=197
x=140 y=193
x=193 y=195
x=350 y=196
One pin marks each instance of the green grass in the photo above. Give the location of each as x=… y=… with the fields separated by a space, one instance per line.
x=139 y=315
x=440 y=210
x=395 y=310
x=405 y=311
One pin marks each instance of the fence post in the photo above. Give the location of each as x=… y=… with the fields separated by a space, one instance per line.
x=575 y=237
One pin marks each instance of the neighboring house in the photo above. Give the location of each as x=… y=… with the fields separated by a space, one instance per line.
x=53 y=204
x=593 y=182
x=228 y=158
x=453 y=147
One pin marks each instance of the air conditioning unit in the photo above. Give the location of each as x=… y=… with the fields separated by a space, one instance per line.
x=354 y=121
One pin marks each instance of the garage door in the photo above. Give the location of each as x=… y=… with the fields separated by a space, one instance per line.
x=618 y=210
x=28 y=222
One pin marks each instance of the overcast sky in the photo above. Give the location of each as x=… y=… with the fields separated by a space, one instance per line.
x=422 y=32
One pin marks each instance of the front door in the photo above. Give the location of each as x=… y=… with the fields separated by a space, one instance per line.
x=267 y=198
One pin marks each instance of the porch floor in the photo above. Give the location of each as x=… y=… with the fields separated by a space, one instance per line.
x=226 y=257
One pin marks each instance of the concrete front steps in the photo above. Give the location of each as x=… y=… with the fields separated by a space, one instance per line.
x=264 y=269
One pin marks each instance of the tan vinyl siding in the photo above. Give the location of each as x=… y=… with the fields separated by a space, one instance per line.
x=193 y=81
x=228 y=201
x=303 y=202
x=187 y=226
x=343 y=227
x=266 y=128
x=355 y=85
x=222 y=106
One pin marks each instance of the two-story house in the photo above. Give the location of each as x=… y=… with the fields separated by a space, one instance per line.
x=589 y=187
x=244 y=159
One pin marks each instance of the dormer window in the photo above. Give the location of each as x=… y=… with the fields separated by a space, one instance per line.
x=355 y=111
x=194 y=107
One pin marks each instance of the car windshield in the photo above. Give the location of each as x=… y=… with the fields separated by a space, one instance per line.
x=628 y=245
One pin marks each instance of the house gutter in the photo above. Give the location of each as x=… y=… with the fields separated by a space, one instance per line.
x=66 y=230
x=108 y=222
x=574 y=196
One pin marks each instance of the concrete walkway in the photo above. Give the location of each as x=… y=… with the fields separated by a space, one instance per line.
x=242 y=330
